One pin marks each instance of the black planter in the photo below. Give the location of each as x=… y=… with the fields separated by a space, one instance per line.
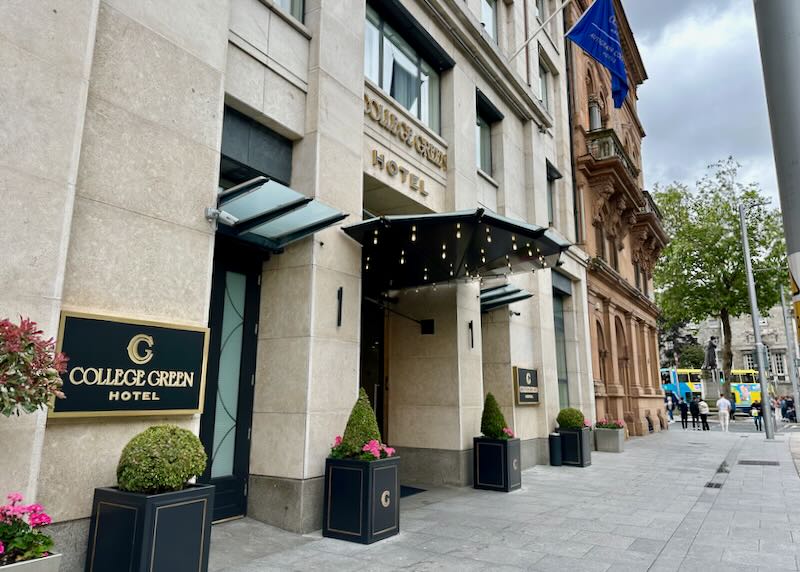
x=136 y=532
x=362 y=499
x=576 y=447
x=496 y=464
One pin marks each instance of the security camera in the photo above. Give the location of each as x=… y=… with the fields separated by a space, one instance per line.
x=225 y=218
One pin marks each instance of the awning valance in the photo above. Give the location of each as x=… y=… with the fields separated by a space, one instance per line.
x=270 y=214
x=499 y=296
x=413 y=250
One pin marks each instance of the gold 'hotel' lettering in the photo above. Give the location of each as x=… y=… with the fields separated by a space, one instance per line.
x=384 y=116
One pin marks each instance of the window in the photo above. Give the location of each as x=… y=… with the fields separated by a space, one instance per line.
x=613 y=253
x=489 y=17
x=541 y=10
x=595 y=120
x=544 y=86
x=561 y=349
x=552 y=176
x=637 y=275
x=293 y=7
x=486 y=116
x=749 y=361
x=392 y=64
x=600 y=241
x=483 y=145
x=780 y=364
x=645 y=287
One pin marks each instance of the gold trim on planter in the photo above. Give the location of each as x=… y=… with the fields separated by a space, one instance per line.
x=396 y=500
x=97 y=527
x=202 y=531
x=478 y=460
x=124 y=320
x=360 y=498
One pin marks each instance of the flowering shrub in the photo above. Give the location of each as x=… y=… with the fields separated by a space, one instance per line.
x=29 y=368
x=610 y=423
x=493 y=423
x=362 y=438
x=20 y=531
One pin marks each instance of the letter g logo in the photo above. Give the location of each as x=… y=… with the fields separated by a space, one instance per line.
x=133 y=349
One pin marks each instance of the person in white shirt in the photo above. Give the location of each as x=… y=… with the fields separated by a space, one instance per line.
x=724 y=407
x=704 y=414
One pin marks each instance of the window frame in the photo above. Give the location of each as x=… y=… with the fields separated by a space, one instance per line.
x=436 y=125
x=482 y=124
x=296 y=9
x=544 y=85
x=492 y=6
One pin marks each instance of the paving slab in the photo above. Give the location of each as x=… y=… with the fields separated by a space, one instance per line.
x=648 y=508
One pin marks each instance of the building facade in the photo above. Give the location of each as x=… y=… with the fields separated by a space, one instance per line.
x=773 y=335
x=130 y=126
x=620 y=229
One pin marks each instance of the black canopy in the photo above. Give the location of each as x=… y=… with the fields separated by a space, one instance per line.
x=405 y=251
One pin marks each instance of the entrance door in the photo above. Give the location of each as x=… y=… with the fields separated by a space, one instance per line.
x=372 y=358
x=227 y=415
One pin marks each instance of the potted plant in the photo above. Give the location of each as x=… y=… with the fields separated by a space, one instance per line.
x=362 y=494
x=496 y=458
x=576 y=447
x=23 y=545
x=29 y=368
x=154 y=519
x=610 y=435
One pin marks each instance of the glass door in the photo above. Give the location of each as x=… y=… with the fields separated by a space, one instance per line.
x=227 y=415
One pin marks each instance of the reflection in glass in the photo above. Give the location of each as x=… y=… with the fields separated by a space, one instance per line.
x=230 y=362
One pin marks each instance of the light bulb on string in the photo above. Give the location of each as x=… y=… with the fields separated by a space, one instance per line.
x=458 y=230
x=413 y=233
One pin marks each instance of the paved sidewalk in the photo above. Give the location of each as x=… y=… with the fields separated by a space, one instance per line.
x=646 y=509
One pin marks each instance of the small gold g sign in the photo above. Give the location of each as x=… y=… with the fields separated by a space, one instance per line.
x=515 y=463
x=133 y=349
x=385 y=499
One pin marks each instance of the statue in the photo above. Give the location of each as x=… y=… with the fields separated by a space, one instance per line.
x=710 y=361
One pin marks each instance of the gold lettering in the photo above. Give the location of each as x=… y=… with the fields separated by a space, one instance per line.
x=422 y=190
x=413 y=182
x=375 y=110
x=172 y=378
x=189 y=378
x=391 y=168
x=72 y=379
x=145 y=396
x=113 y=395
x=125 y=396
x=150 y=380
x=96 y=379
x=377 y=158
x=403 y=173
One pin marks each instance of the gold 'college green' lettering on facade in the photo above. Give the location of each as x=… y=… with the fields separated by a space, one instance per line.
x=389 y=120
x=130 y=377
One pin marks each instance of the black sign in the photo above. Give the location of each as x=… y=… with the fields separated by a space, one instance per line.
x=527 y=385
x=128 y=367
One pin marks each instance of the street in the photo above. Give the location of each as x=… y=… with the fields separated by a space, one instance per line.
x=649 y=508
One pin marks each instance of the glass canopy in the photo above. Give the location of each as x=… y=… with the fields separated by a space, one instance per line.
x=499 y=296
x=270 y=214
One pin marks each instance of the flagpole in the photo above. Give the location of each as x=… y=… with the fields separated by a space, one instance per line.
x=539 y=29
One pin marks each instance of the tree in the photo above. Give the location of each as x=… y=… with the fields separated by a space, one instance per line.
x=692 y=356
x=701 y=272
x=673 y=337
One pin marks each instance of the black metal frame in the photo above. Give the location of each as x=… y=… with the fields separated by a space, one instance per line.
x=496 y=464
x=231 y=492
x=576 y=447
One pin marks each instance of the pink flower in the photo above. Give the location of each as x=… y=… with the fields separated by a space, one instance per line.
x=15 y=497
x=587 y=423
x=35 y=508
x=389 y=451
x=508 y=432
x=337 y=441
x=2 y=547
x=373 y=447
x=39 y=519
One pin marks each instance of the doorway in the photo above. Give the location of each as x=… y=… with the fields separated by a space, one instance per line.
x=373 y=355
x=228 y=405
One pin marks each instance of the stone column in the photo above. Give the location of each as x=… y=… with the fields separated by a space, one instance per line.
x=307 y=379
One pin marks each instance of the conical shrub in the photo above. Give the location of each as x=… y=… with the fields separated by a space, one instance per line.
x=362 y=426
x=492 y=420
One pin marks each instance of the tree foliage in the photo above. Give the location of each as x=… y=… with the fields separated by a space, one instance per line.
x=701 y=272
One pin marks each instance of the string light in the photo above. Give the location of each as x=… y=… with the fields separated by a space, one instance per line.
x=366 y=266
x=458 y=230
x=402 y=257
x=444 y=253
x=375 y=240
x=513 y=242
x=413 y=233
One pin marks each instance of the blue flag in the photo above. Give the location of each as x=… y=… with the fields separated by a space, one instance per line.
x=597 y=34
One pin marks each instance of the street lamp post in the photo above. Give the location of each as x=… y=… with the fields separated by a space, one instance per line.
x=751 y=289
x=790 y=351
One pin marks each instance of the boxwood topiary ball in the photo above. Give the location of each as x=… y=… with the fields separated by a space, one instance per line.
x=570 y=418
x=160 y=459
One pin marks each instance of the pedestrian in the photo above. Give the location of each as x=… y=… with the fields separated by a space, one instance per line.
x=724 y=408
x=694 y=409
x=733 y=407
x=776 y=409
x=703 y=408
x=755 y=411
x=784 y=403
x=670 y=407
x=683 y=407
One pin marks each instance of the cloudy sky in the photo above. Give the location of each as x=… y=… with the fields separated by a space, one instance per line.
x=704 y=99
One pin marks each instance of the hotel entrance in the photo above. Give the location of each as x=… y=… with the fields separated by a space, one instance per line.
x=373 y=367
x=228 y=410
